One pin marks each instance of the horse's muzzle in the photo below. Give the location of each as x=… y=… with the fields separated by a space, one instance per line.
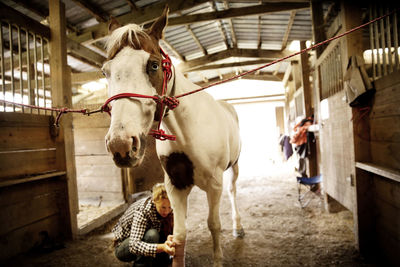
x=127 y=152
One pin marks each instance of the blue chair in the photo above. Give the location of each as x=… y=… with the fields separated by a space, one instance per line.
x=313 y=185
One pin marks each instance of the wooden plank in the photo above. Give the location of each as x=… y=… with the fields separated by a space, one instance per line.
x=90 y=134
x=108 y=183
x=20 y=138
x=23 y=192
x=8 y=119
x=386 y=110
x=95 y=159
x=388 y=218
x=29 y=179
x=389 y=94
x=98 y=120
x=389 y=80
x=23 y=239
x=387 y=190
x=388 y=246
x=20 y=214
x=21 y=163
x=386 y=154
x=385 y=129
x=386 y=172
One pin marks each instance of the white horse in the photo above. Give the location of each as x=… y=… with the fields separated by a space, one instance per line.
x=207 y=133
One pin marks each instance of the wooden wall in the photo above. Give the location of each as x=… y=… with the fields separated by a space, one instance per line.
x=33 y=192
x=96 y=172
x=379 y=197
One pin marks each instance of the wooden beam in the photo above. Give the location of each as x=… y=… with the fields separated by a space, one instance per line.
x=170 y=47
x=148 y=14
x=221 y=30
x=133 y=6
x=62 y=97
x=84 y=77
x=197 y=41
x=233 y=34
x=233 y=52
x=92 y=10
x=41 y=12
x=266 y=76
x=14 y=17
x=237 y=12
x=288 y=29
x=317 y=22
x=231 y=65
x=259 y=42
x=81 y=51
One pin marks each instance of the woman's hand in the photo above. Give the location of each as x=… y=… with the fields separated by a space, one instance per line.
x=169 y=247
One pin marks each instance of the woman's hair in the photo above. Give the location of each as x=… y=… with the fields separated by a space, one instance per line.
x=159 y=192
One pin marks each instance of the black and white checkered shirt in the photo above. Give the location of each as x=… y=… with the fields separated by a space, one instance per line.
x=137 y=219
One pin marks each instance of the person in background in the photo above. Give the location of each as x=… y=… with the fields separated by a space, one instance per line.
x=143 y=234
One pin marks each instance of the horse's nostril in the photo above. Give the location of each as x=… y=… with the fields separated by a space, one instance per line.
x=134 y=144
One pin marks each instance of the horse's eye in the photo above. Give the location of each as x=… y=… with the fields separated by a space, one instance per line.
x=154 y=66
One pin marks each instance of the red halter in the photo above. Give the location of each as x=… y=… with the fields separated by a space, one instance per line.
x=163 y=100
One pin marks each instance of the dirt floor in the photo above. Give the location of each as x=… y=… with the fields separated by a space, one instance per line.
x=278 y=231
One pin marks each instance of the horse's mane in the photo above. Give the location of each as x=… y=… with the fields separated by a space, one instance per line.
x=128 y=35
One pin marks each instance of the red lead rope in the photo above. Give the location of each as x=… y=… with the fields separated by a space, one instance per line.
x=172 y=101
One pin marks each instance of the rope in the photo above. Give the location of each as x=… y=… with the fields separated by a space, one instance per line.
x=284 y=58
x=172 y=101
x=59 y=110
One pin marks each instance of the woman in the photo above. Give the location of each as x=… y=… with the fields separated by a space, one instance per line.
x=143 y=233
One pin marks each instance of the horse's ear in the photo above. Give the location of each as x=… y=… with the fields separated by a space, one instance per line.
x=114 y=24
x=157 y=29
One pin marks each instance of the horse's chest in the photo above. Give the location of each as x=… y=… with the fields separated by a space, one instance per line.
x=179 y=168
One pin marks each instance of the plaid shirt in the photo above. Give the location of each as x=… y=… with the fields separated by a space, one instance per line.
x=137 y=219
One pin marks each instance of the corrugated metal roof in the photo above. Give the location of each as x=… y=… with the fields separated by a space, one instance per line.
x=264 y=31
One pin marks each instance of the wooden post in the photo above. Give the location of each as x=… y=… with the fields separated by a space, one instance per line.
x=62 y=97
x=312 y=165
x=352 y=45
x=317 y=14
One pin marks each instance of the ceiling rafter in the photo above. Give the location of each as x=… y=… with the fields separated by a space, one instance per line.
x=147 y=14
x=190 y=31
x=288 y=29
x=176 y=53
x=265 y=76
x=233 y=34
x=41 y=12
x=232 y=52
x=237 y=12
x=220 y=28
x=98 y=14
x=133 y=6
x=229 y=65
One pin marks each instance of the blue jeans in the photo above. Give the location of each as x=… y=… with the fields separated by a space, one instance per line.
x=151 y=236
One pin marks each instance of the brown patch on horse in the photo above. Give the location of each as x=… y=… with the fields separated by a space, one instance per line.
x=179 y=169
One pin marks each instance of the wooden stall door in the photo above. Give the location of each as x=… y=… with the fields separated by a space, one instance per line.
x=337 y=153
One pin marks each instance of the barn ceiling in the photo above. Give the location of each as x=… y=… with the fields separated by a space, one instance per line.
x=211 y=40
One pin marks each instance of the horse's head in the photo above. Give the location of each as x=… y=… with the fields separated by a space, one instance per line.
x=133 y=66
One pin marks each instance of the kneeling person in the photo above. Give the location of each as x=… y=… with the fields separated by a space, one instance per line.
x=144 y=232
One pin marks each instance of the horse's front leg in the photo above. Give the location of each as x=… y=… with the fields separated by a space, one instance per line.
x=214 y=222
x=178 y=199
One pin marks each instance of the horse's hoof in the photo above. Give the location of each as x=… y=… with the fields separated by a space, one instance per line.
x=238 y=233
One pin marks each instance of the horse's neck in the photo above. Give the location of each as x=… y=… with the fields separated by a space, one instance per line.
x=182 y=119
